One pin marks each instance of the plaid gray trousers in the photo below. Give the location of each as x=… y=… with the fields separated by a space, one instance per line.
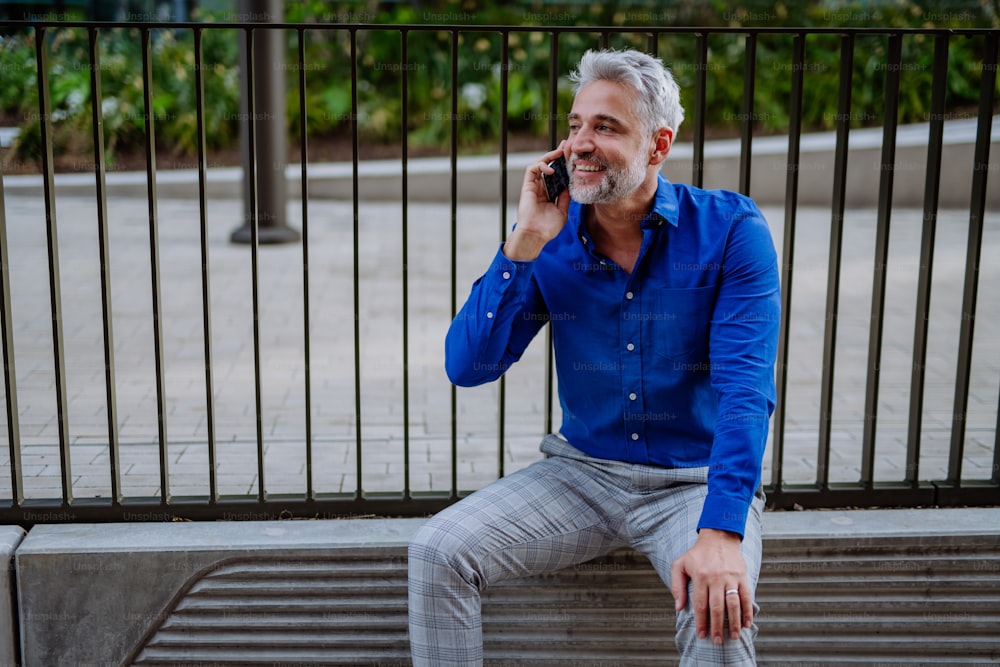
x=561 y=511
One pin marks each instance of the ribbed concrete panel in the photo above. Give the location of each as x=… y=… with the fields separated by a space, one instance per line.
x=333 y=611
x=612 y=611
x=858 y=588
x=350 y=611
x=908 y=600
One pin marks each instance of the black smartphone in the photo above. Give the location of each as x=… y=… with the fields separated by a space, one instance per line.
x=559 y=181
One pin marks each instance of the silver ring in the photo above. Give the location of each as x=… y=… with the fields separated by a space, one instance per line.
x=733 y=591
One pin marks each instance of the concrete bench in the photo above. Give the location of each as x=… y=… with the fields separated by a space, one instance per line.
x=867 y=587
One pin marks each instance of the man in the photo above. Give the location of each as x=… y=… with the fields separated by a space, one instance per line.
x=663 y=301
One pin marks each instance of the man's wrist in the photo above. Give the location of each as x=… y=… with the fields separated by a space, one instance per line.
x=523 y=247
x=718 y=533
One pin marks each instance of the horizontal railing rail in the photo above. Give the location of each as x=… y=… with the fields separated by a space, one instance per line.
x=395 y=417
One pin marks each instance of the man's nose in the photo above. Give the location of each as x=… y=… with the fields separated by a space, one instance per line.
x=582 y=141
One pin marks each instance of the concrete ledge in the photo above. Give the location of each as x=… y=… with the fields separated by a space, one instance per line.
x=478 y=177
x=856 y=587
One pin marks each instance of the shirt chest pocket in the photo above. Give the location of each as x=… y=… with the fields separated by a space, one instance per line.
x=680 y=322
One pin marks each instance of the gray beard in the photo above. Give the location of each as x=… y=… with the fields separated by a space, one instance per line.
x=616 y=185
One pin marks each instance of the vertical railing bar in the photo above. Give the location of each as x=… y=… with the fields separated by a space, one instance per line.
x=877 y=320
x=404 y=94
x=304 y=196
x=251 y=181
x=698 y=141
x=104 y=249
x=356 y=225
x=206 y=293
x=9 y=372
x=746 y=130
x=977 y=211
x=605 y=39
x=154 y=258
x=932 y=189
x=788 y=254
x=504 y=89
x=52 y=240
x=654 y=44
x=836 y=243
x=453 y=158
x=550 y=379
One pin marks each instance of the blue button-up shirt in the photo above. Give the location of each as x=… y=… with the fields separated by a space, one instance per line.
x=671 y=365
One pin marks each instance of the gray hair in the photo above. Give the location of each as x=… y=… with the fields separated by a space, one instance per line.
x=659 y=97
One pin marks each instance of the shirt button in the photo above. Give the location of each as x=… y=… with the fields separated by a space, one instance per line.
x=632 y=396
x=489 y=315
x=630 y=347
x=629 y=295
x=506 y=275
x=635 y=436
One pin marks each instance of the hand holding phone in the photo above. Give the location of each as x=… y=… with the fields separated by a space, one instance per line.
x=557 y=182
x=537 y=220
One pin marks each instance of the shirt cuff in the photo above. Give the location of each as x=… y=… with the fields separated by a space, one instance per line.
x=725 y=513
x=517 y=272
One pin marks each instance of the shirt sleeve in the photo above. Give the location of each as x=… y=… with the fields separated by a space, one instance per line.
x=743 y=344
x=502 y=314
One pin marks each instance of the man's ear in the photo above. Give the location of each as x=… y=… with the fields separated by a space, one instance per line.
x=663 y=139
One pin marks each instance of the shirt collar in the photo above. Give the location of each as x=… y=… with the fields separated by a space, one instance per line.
x=665 y=206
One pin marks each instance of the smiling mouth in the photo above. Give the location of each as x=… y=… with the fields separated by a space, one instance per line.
x=588 y=163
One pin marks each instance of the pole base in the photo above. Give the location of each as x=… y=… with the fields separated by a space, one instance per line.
x=266 y=234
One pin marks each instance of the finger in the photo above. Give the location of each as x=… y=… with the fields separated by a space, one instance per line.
x=541 y=168
x=717 y=612
x=555 y=152
x=700 y=604
x=563 y=201
x=733 y=605
x=533 y=181
x=678 y=584
x=746 y=602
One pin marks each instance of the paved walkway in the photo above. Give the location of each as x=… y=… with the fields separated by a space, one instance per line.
x=382 y=425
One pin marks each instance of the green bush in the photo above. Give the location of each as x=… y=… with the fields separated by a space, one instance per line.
x=476 y=116
x=123 y=107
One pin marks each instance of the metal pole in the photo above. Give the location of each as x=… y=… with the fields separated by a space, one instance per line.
x=269 y=128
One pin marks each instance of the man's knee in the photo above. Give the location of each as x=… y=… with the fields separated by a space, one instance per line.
x=440 y=544
x=431 y=542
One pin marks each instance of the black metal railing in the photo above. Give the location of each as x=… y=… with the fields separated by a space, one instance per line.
x=910 y=488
